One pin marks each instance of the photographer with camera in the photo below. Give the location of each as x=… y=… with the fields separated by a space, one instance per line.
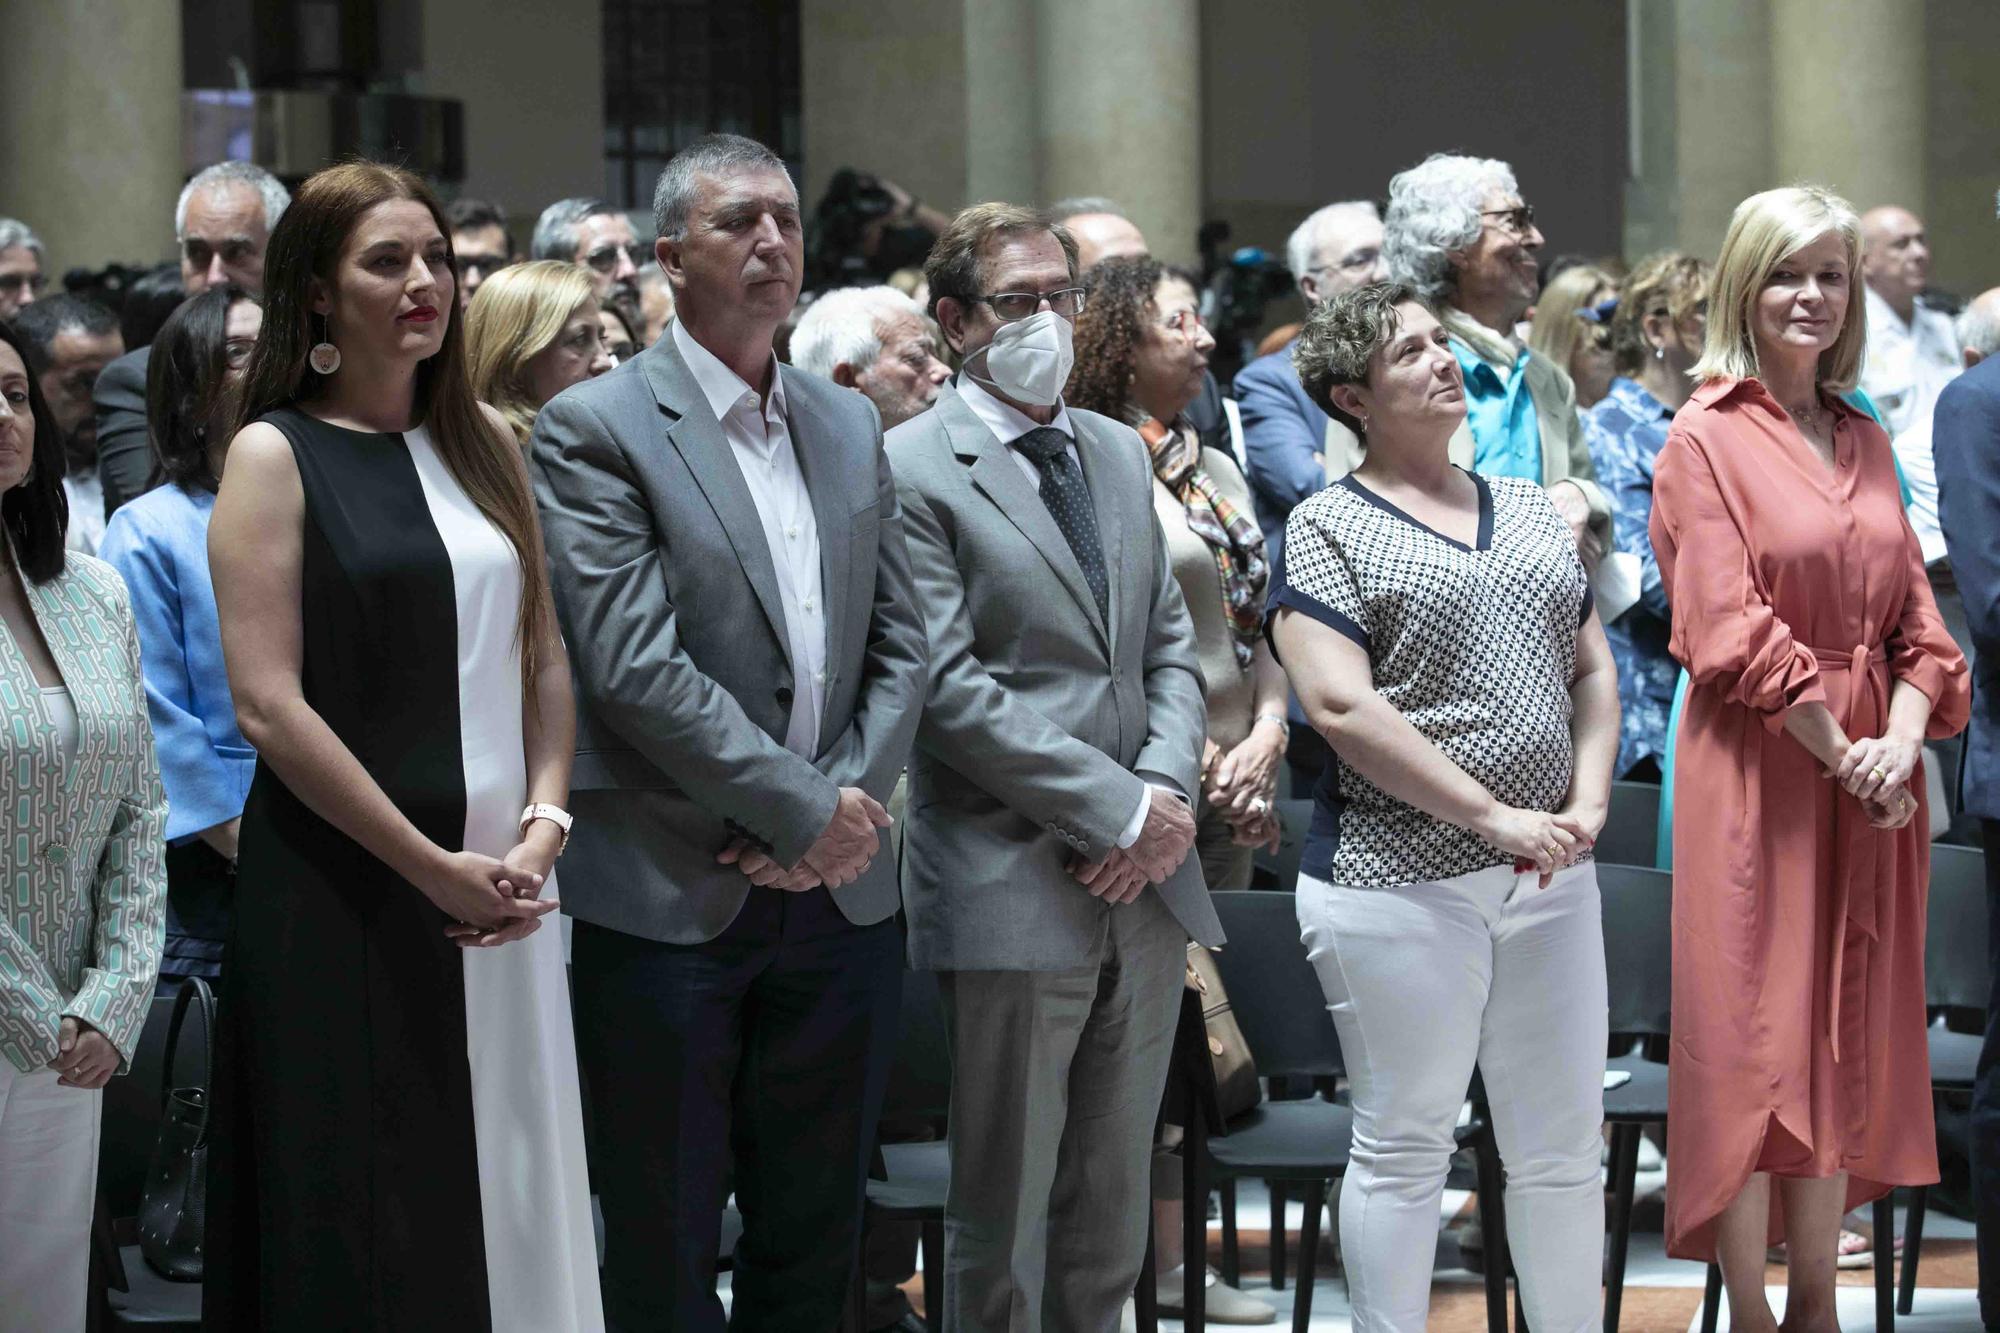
x=865 y=228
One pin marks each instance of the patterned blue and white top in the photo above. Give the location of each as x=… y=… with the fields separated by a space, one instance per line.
x=1474 y=645
x=83 y=880
x=1626 y=430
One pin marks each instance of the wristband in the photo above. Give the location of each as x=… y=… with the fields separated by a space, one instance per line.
x=555 y=814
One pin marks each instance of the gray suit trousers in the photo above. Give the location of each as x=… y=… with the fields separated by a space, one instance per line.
x=1057 y=1078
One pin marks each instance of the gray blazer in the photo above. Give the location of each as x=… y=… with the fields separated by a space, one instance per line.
x=668 y=600
x=1040 y=715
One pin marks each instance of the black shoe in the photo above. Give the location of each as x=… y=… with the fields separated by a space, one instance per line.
x=909 y=1323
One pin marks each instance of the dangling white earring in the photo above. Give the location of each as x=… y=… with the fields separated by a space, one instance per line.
x=324 y=357
x=1659 y=353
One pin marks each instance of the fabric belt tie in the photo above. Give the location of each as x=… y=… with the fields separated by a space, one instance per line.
x=1864 y=849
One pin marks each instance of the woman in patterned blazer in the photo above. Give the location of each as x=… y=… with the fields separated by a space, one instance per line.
x=82 y=875
x=1437 y=626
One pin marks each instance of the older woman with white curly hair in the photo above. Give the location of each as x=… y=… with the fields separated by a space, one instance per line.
x=1458 y=232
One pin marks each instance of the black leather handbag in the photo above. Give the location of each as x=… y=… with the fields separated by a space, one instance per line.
x=175 y=1202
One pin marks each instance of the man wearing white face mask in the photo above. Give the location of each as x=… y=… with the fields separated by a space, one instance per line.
x=1045 y=867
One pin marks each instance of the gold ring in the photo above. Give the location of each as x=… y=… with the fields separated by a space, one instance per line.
x=1877 y=773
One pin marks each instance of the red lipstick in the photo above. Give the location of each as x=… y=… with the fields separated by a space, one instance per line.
x=423 y=314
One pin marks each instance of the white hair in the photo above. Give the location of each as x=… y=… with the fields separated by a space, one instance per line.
x=14 y=232
x=844 y=327
x=1978 y=325
x=1304 y=240
x=1434 y=210
x=1082 y=205
x=276 y=198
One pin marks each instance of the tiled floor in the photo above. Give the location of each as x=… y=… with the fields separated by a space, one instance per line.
x=1662 y=1295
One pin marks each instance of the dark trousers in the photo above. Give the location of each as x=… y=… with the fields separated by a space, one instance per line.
x=769 y=1047
x=1985 y=1136
x=201 y=894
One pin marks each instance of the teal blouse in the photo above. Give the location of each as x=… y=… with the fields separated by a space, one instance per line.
x=83 y=879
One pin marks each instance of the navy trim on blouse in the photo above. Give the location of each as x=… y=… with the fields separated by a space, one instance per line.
x=1483 y=539
x=1287 y=595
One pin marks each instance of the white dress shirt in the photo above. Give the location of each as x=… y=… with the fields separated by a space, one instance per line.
x=1913 y=452
x=1009 y=423
x=762 y=443
x=1906 y=366
x=86 y=510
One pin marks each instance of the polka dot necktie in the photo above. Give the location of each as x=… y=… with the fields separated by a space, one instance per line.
x=1068 y=499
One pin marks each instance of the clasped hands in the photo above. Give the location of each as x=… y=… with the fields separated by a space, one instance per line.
x=1163 y=843
x=1876 y=771
x=495 y=902
x=1242 y=785
x=837 y=857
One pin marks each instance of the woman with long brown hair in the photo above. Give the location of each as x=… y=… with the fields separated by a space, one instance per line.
x=397 y=1139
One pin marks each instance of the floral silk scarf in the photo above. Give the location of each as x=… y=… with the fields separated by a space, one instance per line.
x=1231 y=534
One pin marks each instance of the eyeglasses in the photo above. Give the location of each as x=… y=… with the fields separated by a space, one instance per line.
x=236 y=352
x=22 y=282
x=1520 y=220
x=1183 y=322
x=1010 y=306
x=485 y=265
x=604 y=259
x=1358 y=261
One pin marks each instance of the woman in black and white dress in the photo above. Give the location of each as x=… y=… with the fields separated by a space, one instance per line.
x=1437 y=626
x=397 y=1138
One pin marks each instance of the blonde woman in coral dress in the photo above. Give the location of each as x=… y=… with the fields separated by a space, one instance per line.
x=1800 y=1076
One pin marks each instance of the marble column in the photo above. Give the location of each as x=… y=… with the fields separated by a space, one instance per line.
x=91 y=156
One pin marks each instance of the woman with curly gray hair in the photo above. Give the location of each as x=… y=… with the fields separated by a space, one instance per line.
x=1438 y=629
x=1458 y=234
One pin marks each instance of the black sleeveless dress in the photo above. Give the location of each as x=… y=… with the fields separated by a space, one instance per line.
x=395 y=1135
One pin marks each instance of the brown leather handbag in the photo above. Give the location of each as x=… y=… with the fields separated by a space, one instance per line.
x=1237 y=1087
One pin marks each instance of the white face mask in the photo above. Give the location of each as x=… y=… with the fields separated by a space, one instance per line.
x=1029 y=360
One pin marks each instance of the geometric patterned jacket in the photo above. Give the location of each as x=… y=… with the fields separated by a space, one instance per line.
x=83 y=881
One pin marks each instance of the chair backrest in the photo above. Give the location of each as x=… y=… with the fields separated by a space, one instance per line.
x=1272 y=988
x=1280 y=869
x=920 y=1078
x=1631 y=834
x=1638 y=947
x=1956 y=968
x=130 y=1125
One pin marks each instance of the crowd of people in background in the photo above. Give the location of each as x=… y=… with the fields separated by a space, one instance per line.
x=874 y=585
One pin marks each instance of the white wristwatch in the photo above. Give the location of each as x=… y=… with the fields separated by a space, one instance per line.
x=555 y=814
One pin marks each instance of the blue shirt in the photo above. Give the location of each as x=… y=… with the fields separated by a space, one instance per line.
x=1506 y=437
x=159 y=544
x=1626 y=431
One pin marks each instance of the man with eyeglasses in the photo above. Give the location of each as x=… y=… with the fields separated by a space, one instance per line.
x=1458 y=232
x=479 y=242
x=1046 y=875
x=1291 y=448
x=222 y=222
x=70 y=342
x=593 y=234
x=21 y=276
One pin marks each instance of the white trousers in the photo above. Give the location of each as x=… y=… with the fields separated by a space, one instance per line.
x=1424 y=982
x=48 y=1185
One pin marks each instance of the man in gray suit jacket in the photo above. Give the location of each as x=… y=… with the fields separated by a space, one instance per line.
x=1045 y=868
x=727 y=554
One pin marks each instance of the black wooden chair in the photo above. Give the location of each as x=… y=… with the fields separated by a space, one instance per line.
x=1638 y=941
x=1955 y=978
x=1631 y=834
x=911 y=1179
x=1277 y=1001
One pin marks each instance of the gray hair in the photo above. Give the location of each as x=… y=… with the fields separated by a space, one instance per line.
x=711 y=155
x=276 y=198
x=1978 y=325
x=1434 y=210
x=1304 y=240
x=845 y=327
x=556 y=229
x=1078 y=205
x=14 y=232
